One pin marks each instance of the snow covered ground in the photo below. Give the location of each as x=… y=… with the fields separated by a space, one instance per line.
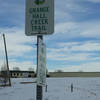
x=58 y=89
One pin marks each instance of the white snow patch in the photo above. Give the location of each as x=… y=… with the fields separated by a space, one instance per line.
x=58 y=89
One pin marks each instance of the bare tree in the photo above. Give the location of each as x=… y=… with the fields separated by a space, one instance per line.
x=31 y=69
x=47 y=73
x=59 y=70
x=16 y=68
x=80 y=71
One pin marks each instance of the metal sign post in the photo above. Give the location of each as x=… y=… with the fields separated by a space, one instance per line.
x=39 y=21
x=39 y=93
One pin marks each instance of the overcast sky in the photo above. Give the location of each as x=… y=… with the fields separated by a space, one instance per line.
x=74 y=46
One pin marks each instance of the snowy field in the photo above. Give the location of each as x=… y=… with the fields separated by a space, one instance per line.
x=58 y=89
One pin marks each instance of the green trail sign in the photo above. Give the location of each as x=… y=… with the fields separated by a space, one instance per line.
x=39 y=17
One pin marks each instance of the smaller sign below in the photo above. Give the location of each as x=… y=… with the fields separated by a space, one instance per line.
x=41 y=75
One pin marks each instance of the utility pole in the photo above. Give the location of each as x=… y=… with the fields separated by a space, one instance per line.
x=39 y=88
x=8 y=72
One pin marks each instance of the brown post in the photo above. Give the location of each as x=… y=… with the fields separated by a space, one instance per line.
x=8 y=72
